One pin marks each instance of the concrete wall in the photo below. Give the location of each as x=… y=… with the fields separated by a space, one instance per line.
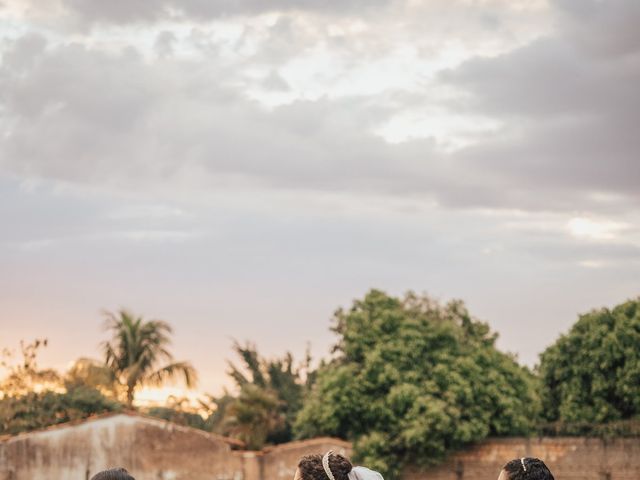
x=157 y=450
x=569 y=458
x=153 y=449
x=279 y=463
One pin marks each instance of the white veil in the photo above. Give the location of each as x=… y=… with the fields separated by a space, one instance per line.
x=363 y=473
x=356 y=473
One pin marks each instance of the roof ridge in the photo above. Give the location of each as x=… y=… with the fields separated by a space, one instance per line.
x=129 y=413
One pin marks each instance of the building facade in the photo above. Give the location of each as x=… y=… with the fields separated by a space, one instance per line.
x=153 y=449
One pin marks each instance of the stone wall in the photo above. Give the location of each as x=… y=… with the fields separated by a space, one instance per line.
x=569 y=458
x=153 y=449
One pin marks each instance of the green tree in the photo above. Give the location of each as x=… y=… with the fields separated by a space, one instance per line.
x=136 y=350
x=36 y=410
x=278 y=379
x=179 y=410
x=253 y=415
x=592 y=374
x=412 y=380
x=216 y=408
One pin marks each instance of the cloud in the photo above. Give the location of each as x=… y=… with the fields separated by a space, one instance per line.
x=89 y=116
x=597 y=230
x=562 y=116
x=90 y=13
x=570 y=113
x=602 y=28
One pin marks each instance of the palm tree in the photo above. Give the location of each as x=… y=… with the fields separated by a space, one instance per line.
x=136 y=349
x=253 y=415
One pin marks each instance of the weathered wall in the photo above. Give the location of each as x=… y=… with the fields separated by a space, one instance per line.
x=279 y=463
x=157 y=450
x=568 y=458
x=153 y=449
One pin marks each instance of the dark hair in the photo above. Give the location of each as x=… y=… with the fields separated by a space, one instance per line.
x=527 y=469
x=114 y=474
x=311 y=467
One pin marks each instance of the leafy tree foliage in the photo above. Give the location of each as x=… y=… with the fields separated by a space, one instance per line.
x=179 y=410
x=136 y=350
x=592 y=374
x=412 y=380
x=32 y=398
x=94 y=374
x=24 y=375
x=270 y=395
x=38 y=410
x=252 y=416
x=216 y=408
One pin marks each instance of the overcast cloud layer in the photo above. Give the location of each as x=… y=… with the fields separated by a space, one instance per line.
x=232 y=166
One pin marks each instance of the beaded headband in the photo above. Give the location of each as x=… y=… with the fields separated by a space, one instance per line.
x=325 y=464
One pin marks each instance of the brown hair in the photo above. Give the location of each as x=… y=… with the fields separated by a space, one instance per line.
x=114 y=474
x=527 y=469
x=311 y=467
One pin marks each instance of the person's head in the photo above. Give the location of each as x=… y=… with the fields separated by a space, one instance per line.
x=310 y=467
x=113 y=474
x=525 y=468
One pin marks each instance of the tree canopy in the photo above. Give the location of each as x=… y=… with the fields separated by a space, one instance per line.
x=270 y=394
x=412 y=380
x=36 y=410
x=136 y=350
x=33 y=398
x=592 y=374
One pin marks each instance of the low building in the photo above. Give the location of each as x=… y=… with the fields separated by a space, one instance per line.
x=154 y=449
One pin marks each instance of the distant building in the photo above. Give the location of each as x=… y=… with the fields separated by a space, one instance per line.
x=154 y=449
x=150 y=448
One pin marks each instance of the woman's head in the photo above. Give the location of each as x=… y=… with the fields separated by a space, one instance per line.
x=525 y=468
x=310 y=467
x=113 y=474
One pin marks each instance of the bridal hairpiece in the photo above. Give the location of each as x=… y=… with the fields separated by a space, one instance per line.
x=356 y=473
x=325 y=464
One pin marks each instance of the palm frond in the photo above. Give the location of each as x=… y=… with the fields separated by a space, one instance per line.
x=136 y=349
x=171 y=371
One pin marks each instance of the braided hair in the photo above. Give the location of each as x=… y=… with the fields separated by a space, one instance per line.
x=113 y=474
x=311 y=467
x=527 y=468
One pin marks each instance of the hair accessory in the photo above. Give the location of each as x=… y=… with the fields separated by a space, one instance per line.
x=523 y=465
x=325 y=464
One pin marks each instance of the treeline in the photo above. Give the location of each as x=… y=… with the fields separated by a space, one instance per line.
x=409 y=380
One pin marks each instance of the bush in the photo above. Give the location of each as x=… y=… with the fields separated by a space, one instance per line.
x=38 y=410
x=591 y=375
x=413 y=381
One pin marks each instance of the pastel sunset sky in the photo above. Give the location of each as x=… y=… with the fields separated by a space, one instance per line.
x=241 y=168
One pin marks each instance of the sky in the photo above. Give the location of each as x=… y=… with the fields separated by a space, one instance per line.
x=242 y=168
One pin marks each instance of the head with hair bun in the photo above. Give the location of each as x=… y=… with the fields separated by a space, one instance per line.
x=310 y=467
x=525 y=468
x=113 y=474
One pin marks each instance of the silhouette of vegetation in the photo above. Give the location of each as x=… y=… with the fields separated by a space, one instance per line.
x=94 y=374
x=24 y=375
x=409 y=381
x=136 y=351
x=38 y=410
x=178 y=410
x=270 y=394
x=34 y=398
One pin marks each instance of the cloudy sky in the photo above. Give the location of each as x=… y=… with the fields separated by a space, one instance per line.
x=241 y=168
